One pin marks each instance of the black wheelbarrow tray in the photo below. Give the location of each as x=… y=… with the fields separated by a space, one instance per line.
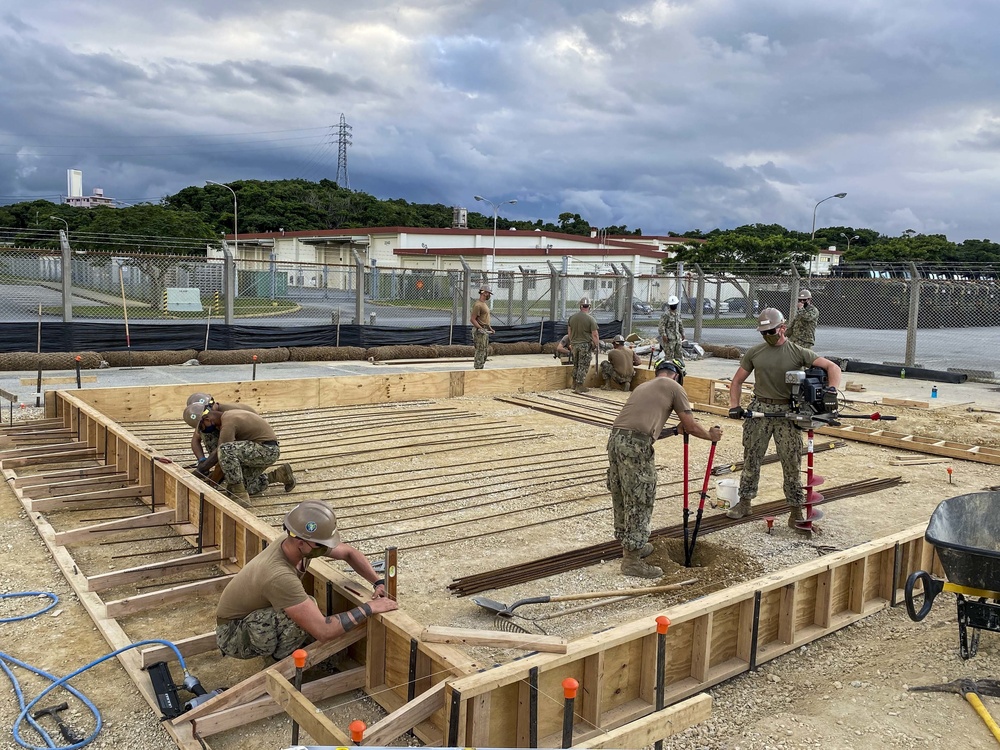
x=965 y=533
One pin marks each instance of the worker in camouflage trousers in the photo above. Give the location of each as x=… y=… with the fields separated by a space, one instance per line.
x=265 y=610
x=584 y=342
x=620 y=365
x=802 y=329
x=671 y=330
x=247 y=447
x=481 y=328
x=769 y=361
x=631 y=465
x=205 y=442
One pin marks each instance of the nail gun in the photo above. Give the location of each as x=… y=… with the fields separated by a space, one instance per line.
x=166 y=691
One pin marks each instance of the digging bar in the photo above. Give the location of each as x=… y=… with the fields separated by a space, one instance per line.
x=499 y=608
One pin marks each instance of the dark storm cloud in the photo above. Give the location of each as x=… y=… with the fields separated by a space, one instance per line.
x=664 y=115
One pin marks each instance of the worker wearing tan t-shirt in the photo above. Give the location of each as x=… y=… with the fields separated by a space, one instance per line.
x=631 y=467
x=266 y=611
x=620 y=365
x=481 y=328
x=247 y=447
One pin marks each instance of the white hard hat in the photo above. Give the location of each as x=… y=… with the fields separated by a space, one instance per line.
x=805 y=294
x=672 y=300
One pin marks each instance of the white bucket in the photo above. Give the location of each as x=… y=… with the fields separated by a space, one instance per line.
x=727 y=491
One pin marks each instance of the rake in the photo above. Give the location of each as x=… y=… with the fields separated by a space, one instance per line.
x=504 y=619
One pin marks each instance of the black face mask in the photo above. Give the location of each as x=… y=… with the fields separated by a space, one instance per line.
x=209 y=428
x=318 y=551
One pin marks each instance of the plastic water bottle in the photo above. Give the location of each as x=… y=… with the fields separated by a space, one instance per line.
x=934 y=392
x=902 y=373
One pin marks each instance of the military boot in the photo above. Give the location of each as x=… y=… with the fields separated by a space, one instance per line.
x=632 y=565
x=646 y=550
x=796 y=516
x=740 y=510
x=580 y=388
x=238 y=492
x=282 y=475
x=606 y=386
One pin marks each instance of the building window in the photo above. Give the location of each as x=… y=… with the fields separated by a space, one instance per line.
x=589 y=283
x=505 y=279
x=530 y=278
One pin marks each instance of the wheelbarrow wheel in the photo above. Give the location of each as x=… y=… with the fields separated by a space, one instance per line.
x=931 y=589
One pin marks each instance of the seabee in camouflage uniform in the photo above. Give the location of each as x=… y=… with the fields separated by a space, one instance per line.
x=757 y=433
x=802 y=329
x=581 y=361
x=671 y=330
x=263 y=632
x=632 y=483
x=246 y=461
x=608 y=372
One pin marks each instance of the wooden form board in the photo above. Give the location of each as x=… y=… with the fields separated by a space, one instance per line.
x=711 y=639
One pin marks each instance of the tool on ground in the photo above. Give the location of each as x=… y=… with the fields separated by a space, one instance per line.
x=299 y=657
x=965 y=534
x=508 y=622
x=687 y=509
x=689 y=551
x=166 y=690
x=68 y=734
x=505 y=610
x=971 y=690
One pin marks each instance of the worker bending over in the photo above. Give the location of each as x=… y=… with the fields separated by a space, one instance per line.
x=265 y=610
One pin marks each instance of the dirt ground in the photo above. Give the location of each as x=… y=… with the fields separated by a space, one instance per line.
x=847 y=690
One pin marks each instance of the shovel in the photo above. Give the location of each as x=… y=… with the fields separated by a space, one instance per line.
x=504 y=610
x=970 y=690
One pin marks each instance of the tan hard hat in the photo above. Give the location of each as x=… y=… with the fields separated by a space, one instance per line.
x=805 y=294
x=201 y=398
x=769 y=318
x=619 y=339
x=194 y=412
x=585 y=302
x=485 y=288
x=313 y=521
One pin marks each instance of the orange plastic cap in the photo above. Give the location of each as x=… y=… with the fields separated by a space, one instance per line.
x=255 y=358
x=299 y=656
x=357 y=729
x=662 y=623
x=78 y=358
x=570 y=686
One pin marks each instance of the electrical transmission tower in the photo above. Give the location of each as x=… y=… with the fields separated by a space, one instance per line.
x=343 y=141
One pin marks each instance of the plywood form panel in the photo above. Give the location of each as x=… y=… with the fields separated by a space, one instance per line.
x=725 y=634
x=622 y=676
x=680 y=639
x=805 y=610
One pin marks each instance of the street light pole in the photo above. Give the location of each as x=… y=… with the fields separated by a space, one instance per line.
x=496 y=211
x=837 y=195
x=850 y=239
x=59 y=218
x=236 y=225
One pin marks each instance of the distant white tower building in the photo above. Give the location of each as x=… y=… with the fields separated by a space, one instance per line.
x=75 y=196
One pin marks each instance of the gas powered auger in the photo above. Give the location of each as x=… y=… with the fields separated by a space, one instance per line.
x=813 y=403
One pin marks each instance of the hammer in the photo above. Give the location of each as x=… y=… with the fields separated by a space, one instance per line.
x=53 y=711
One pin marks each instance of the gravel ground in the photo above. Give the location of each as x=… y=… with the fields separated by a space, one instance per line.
x=847 y=690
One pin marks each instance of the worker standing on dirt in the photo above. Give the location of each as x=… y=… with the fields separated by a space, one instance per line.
x=583 y=341
x=205 y=442
x=802 y=328
x=620 y=365
x=247 y=447
x=481 y=328
x=265 y=610
x=631 y=464
x=671 y=330
x=770 y=361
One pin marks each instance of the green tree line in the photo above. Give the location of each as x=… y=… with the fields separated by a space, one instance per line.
x=196 y=216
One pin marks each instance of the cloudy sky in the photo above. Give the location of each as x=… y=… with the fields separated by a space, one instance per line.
x=665 y=115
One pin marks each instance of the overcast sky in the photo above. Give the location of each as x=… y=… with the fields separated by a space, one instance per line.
x=668 y=116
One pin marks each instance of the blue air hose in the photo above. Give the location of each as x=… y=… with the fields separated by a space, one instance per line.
x=25 y=715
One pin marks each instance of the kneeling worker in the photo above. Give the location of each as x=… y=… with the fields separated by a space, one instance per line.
x=631 y=467
x=204 y=442
x=247 y=447
x=620 y=364
x=265 y=611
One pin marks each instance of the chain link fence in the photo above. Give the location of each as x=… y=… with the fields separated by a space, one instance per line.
x=939 y=318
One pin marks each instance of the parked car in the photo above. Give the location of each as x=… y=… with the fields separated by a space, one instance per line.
x=641 y=308
x=740 y=305
x=707 y=306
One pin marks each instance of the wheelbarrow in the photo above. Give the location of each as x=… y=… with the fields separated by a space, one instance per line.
x=965 y=533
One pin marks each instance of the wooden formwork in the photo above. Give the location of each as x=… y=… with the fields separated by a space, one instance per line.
x=431 y=689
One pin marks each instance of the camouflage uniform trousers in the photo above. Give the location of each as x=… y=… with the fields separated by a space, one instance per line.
x=672 y=348
x=481 y=339
x=263 y=632
x=244 y=462
x=757 y=434
x=632 y=482
x=210 y=441
x=581 y=361
x=608 y=372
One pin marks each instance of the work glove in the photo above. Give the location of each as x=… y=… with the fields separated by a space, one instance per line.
x=737 y=412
